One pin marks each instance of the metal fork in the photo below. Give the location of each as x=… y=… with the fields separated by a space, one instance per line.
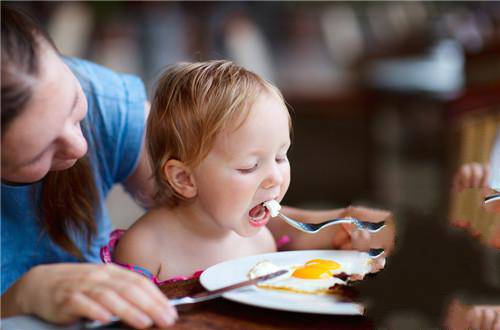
x=375 y=253
x=312 y=228
x=492 y=198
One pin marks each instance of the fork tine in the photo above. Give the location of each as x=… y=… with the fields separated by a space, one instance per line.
x=370 y=226
x=375 y=253
x=376 y=226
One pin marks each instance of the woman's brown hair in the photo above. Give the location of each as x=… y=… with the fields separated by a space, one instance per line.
x=69 y=198
x=192 y=104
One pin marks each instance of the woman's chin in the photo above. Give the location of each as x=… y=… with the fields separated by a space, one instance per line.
x=63 y=165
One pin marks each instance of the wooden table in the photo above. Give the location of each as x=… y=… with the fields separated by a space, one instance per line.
x=224 y=314
x=215 y=314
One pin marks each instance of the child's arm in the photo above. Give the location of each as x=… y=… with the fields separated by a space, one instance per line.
x=137 y=248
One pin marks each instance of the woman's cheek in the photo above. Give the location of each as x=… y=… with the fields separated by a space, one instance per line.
x=36 y=171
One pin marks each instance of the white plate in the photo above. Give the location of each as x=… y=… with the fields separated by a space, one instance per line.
x=233 y=271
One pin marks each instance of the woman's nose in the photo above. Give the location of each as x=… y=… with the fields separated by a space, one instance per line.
x=73 y=143
x=274 y=178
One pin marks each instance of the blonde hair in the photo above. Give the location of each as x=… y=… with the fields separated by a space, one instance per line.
x=192 y=104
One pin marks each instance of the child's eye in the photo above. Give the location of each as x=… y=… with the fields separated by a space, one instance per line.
x=248 y=170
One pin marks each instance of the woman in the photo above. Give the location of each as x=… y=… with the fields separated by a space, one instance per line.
x=53 y=112
x=71 y=130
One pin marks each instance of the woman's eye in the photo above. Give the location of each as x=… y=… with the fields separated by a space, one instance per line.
x=247 y=170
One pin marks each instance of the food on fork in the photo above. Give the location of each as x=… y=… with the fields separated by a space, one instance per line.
x=273 y=206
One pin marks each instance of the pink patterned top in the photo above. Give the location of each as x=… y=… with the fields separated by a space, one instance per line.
x=107 y=257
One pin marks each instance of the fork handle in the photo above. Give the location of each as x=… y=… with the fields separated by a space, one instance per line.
x=339 y=220
x=291 y=222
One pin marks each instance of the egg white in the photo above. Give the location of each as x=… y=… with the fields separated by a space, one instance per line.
x=287 y=282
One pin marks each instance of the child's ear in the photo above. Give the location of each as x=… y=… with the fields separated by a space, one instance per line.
x=181 y=178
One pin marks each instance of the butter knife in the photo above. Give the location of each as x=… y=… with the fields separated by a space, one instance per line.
x=199 y=297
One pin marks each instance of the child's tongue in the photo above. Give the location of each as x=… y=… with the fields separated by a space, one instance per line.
x=256 y=211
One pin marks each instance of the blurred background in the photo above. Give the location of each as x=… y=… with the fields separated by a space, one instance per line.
x=387 y=99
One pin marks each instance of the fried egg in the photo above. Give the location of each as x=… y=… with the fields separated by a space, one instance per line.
x=313 y=277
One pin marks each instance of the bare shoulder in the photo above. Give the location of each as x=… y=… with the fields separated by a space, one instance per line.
x=139 y=245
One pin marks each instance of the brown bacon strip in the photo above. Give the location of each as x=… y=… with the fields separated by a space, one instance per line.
x=344 y=292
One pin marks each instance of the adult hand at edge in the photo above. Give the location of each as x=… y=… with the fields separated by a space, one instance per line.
x=64 y=293
x=471 y=175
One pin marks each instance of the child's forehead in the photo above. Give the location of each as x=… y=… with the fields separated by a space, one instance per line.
x=266 y=124
x=267 y=108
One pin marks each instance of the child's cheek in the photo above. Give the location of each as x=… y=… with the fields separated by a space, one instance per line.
x=244 y=189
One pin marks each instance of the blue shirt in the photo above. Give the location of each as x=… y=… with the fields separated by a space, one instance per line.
x=116 y=119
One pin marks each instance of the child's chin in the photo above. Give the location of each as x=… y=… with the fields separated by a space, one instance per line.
x=249 y=231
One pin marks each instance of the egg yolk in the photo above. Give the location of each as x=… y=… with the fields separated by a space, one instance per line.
x=316 y=269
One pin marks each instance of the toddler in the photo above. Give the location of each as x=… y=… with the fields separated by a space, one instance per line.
x=217 y=138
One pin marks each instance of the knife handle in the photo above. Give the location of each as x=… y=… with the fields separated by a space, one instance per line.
x=183 y=301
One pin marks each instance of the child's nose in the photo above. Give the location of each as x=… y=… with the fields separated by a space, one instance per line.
x=273 y=179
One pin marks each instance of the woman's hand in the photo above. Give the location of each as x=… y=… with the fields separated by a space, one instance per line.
x=471 y=175
x=63 y=293
x=475 y=176
x=481 y=317
x=484 y=317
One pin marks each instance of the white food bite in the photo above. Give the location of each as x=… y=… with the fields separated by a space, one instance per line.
x=273 y=206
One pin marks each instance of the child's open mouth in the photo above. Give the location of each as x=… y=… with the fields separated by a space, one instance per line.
x=259 y=215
